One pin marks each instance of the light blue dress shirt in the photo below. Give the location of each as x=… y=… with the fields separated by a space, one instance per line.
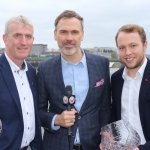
x=75 y=75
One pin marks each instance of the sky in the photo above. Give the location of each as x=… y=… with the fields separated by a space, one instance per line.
x=102 y=18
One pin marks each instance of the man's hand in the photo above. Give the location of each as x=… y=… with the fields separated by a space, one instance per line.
x=136 y=149
x=66 y=118
x=100 y=146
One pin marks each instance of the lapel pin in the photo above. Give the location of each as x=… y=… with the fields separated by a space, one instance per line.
x=146 y=80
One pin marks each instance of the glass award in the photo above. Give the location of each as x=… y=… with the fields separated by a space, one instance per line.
x=119 y=135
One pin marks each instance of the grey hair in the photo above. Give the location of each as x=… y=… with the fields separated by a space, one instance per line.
x=17 y=19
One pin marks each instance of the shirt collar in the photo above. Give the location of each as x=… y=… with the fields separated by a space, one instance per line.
x=82 y=61
x=140 y=71
x=14 y=67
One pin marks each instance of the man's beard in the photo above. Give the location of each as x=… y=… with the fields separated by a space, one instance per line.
x=137 y=64
x=68 y=51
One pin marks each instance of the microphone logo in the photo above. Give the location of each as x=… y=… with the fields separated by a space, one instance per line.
x=72 y=100
x=65 y=100
x=69 y=99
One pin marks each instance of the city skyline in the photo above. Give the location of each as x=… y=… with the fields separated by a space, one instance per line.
x=102 y=18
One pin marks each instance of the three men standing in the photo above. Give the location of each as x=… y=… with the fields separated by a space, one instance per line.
x=87 y=74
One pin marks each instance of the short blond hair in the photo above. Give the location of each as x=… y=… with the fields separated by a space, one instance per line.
x=129 y=28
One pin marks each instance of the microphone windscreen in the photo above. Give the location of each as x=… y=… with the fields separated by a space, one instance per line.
x=69 y=89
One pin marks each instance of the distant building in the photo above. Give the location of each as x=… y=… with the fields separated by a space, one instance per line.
x=53 y=52
x=38 y=49
x=148 y=56
x=103 y=51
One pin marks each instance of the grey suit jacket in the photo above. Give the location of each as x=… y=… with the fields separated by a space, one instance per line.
x=94 y=113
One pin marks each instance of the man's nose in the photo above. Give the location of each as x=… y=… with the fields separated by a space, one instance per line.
x=128 y=51
x=23 y=40
x=69 y=36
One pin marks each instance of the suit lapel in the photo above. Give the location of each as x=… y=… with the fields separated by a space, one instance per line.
x=58 y=72
x=59 y=76
x=10 y=82
x=31 y=81
x=92 y=75
x=118 y=93
x=33 y=86
x=143 y=89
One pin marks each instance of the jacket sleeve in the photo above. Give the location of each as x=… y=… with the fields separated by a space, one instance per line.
x=105 y=109
x=113 y=105
x=45 y=116
x=146 y=146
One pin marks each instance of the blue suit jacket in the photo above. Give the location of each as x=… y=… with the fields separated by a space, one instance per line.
x=94 y=113
x=10 y=109
x=144 y=101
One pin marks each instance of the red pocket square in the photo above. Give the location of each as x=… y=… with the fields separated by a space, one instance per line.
x=99 y=83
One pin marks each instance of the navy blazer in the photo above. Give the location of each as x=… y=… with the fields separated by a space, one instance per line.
x=144 y=101
x=94 y=113
x=10 y=109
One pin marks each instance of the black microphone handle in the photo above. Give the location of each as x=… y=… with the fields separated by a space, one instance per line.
x=69 y=128
x=69 y=93
x=69 y=107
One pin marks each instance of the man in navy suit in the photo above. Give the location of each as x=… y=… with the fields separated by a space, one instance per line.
x=19 y=121
x=88 y=75
x=131 y=84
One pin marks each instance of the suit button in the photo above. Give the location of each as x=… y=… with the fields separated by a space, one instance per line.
x=79 y=117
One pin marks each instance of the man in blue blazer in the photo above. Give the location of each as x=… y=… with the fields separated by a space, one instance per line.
x=20 y=124
x=131 y=84
x=88 y=75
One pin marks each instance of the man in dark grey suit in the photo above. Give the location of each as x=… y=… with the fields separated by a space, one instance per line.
x=88 y=75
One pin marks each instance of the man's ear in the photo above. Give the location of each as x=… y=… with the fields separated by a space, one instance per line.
x=5 y=38
x=33 y=38
x=145 y=46
x=82 y=36
x=55 y=37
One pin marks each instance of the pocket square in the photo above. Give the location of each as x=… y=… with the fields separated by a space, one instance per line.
x=99 y=83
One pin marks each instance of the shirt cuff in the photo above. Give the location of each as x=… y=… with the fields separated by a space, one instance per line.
x=53 y=126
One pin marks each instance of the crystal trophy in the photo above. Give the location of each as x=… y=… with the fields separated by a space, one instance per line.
x=119 y=135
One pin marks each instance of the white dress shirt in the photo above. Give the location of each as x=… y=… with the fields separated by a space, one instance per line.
x=26 y=101
x=130 y=100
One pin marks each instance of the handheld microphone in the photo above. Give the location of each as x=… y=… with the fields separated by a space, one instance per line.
x=69 y=100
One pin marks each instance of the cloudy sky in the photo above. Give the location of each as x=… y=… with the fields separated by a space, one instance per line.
x=102 y=18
